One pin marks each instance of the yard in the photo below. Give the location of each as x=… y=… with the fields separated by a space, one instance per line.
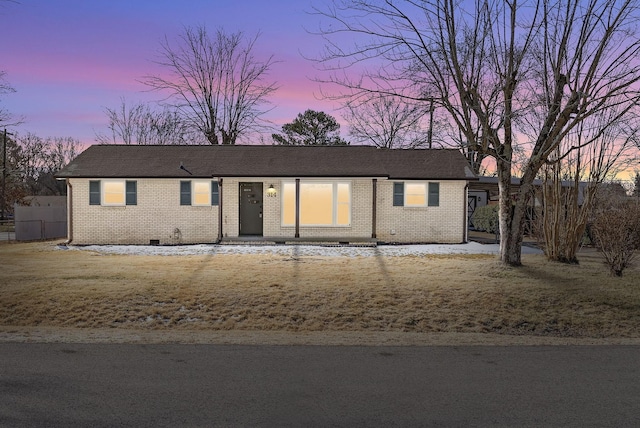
x=48 y=287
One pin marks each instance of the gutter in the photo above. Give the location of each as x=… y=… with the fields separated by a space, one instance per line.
x=374 y=208
x=465 y=217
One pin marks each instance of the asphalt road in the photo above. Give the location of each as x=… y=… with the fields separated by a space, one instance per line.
x=96 y=385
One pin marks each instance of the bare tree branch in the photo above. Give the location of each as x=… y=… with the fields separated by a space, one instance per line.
x=216 y=83
x=513 y=76
x=140 y=124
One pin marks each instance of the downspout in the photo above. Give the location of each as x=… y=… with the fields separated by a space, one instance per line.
x=69 y=212
x=297 y=235
x=374 y=208
x=465 y=218
x=220 y=199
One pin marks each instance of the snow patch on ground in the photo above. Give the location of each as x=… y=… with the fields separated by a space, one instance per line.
x=300 y=250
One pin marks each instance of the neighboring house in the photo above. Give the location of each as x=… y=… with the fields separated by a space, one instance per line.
x=204 y=194
x=484 y=191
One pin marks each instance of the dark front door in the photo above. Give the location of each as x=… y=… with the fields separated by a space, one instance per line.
x=251 y=209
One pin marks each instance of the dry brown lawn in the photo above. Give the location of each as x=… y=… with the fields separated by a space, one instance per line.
x=41 y=285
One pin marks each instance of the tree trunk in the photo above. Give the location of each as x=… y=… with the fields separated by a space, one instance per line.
x=512 y=214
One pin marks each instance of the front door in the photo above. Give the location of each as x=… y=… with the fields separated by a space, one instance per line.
x=251 y=209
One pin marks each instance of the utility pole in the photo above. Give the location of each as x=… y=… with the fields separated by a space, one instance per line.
x=430 y=134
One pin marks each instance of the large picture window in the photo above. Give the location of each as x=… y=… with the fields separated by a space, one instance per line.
x=321 y=203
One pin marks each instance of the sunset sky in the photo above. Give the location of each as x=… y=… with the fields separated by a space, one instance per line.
x=69 y=59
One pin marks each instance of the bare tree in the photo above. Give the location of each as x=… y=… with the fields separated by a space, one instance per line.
x=30 y=160
x=216 y=83
x=497 y=67
x=572 y=183
x=140 y=124
x=35 y=161
x=388 y=122
x=13 y=187
x=5 y=88
x=60 y=151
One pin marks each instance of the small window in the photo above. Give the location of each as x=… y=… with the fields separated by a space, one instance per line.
x=199 y=193
x=415 y=194
x=94 y=192
x=113 y=192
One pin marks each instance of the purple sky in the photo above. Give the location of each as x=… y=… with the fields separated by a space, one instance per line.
x=69 y=59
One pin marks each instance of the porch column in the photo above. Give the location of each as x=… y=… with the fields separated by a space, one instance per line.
x=374 y=207
x=297 y=235
x=220 y=235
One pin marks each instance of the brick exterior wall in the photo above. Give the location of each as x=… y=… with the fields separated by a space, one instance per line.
x=444 y=224
x=158 y=215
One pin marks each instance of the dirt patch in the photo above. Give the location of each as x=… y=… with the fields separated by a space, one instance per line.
x=253 y=298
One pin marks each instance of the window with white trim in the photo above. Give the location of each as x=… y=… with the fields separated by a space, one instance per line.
x=113 y=192
x=416 y=194
x=199 y=193
x=322 y=203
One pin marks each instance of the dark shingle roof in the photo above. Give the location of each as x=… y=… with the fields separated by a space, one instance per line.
x=124 y=161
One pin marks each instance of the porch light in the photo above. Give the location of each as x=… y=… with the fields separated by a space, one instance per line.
x=271 y=191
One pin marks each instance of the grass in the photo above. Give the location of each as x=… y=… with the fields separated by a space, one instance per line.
x=43 y=286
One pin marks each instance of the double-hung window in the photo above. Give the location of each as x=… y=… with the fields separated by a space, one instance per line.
x=321 y=203
x=199 y=193
x=416 y=194
x=113 y=192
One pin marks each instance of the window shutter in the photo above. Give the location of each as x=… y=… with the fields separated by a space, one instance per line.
x=434 y=194
x=131 y=193
x=398 y=194
x=185 y=193
x=215 y=194
x=94 y=192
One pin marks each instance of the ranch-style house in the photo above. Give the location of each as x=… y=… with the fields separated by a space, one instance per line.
x=166 y=195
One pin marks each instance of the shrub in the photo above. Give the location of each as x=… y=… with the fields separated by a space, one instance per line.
x=486 y=218
x=616 y=234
